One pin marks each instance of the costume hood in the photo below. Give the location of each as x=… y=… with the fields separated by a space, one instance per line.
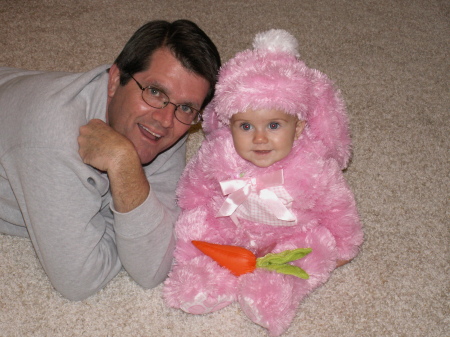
x=271 y=76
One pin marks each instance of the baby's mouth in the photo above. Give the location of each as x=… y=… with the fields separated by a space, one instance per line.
x=149 y=134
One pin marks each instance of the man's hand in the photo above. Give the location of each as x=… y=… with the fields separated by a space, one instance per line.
x=101 y=147
x=107 y=150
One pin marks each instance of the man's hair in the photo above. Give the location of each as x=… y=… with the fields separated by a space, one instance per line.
x=189 y=44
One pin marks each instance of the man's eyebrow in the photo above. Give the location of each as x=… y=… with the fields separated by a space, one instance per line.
x=157 y=85
x=161 y=87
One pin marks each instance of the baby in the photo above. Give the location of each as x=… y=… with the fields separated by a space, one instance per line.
x=267 y=178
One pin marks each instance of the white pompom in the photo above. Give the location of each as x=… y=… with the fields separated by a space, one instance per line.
x=276 y=40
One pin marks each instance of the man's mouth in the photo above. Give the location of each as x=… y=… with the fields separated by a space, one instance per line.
x=149 y=134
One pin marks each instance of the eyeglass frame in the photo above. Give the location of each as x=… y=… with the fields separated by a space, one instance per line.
x=199 y=114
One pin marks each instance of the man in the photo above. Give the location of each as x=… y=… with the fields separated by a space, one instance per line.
x=89 y=162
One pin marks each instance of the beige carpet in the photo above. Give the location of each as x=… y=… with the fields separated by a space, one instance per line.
x=391 y=60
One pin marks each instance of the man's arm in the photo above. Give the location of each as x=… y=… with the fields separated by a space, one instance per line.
x=143 y=216
x=66 y=217
x=144 y=236
x=76 y=238
x=109 y=151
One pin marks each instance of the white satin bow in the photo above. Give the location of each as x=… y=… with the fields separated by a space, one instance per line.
x=238 y=191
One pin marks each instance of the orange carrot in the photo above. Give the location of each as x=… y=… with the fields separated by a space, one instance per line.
x=237 y=259
x=242 y=261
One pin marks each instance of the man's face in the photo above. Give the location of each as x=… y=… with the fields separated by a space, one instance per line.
x=153 y=130
x=264 y=137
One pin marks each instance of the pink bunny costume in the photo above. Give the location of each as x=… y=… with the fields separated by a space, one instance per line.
x=310 y=206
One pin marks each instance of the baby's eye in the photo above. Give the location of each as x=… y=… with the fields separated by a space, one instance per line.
x=246 y=126
x=274 y=125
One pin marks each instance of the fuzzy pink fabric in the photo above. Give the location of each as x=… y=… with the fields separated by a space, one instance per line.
x=266 y=79
x=327 y=222
x=327 y=219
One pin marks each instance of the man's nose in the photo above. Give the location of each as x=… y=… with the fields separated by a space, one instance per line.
x=166 y=115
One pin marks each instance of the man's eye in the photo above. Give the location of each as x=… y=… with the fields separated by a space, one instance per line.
x=186 y=108
x=246 y=126
x=274 y=125
x=154 y=92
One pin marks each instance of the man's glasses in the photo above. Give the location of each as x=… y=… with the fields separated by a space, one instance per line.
x=158 y=99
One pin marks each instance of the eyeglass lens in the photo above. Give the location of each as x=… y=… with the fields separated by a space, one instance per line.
x=158 y=99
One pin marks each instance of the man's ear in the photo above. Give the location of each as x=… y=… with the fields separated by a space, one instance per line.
x=114 y=80
x=299 y=128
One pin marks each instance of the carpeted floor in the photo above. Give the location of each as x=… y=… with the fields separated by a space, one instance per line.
x=391 y=61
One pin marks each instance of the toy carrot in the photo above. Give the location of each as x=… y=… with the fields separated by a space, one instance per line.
x=241 y=261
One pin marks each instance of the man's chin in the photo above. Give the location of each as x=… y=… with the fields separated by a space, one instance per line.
x=147 y=159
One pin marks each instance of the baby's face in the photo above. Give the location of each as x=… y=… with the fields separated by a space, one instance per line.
x=264 y=137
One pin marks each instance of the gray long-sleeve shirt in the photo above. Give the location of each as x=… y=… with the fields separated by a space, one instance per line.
x=64 y=206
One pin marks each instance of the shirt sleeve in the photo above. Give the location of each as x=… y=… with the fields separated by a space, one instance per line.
x=62 y=202
x=81 y=242
x=144 y=236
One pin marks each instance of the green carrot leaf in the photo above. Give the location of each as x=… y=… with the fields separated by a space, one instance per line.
x=279 y=262
x=288 y=269
x=284 y=257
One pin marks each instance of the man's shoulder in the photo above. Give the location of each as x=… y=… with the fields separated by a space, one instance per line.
x=7 y=74
x=49 y=107
x=47 y=82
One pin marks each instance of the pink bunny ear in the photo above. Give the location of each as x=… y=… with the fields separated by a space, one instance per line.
x=210 y=120
x=327 y=120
